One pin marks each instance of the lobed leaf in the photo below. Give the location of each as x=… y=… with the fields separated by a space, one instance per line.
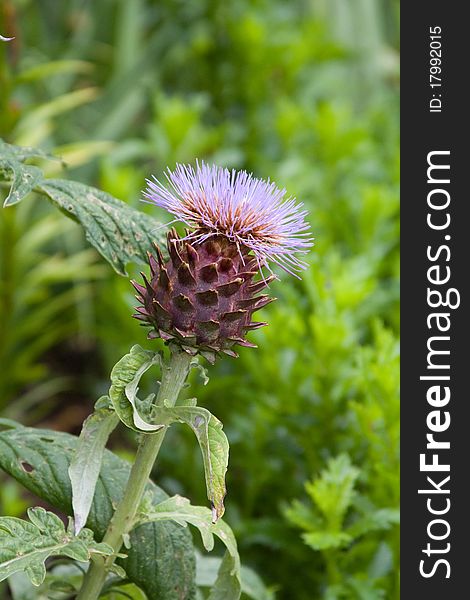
x=333 y=491
x=142 y=416
x=214 y=447
x=125 y=378
x=180 y=510
x=326 y=540
x=379 y=519
x=25 y=546
x=161 y=557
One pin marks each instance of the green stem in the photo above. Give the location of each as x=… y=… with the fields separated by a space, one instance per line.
x=333 y=573
x=173 y=377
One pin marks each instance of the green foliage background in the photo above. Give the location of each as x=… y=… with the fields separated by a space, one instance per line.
x=304 y=92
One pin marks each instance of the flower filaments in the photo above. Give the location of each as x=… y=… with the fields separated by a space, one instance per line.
x=249 y=212
x=204 y=295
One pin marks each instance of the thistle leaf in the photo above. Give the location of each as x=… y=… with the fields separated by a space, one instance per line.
x=119 y=233
x=40 y=459
x=180 y=510
x=23 y=178
x=212 y=441
x=203 y=373
x=214 y=448
x=333 y=491
x=207 y=428
x=85 y=467
x=125 y=378
x=142 y=416
x=25 y=546
x=207 y=571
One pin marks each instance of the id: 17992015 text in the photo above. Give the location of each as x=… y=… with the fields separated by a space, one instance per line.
x=435 y=69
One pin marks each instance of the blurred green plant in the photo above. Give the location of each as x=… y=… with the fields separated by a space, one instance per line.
x=334 y=525
x=41 y=257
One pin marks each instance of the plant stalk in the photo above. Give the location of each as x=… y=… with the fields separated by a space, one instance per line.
x=173 y=378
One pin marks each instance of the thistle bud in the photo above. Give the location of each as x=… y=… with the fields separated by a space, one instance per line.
x=203 y=296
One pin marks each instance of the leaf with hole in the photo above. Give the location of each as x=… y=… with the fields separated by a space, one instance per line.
x=161 y=574
x=23 y=177
x=120 y=233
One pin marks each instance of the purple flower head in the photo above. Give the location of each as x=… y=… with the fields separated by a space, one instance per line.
x=250 y=212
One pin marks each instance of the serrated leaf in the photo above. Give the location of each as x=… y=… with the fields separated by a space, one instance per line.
x=40 y=459
x=333 y=491
x=303 y=516
x=325 y=540
x=25 y=546
x=376 y=520
x=125 y=378
x=85 y=467
x=119 y=233
x=332 y=494
x=181 y=511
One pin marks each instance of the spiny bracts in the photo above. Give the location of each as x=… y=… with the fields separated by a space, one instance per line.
x=203 y=297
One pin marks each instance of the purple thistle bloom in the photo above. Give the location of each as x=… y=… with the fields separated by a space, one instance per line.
x=250 y=212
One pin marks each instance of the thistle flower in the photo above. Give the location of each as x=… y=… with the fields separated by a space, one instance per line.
x=204 y=296
x=249 y=212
